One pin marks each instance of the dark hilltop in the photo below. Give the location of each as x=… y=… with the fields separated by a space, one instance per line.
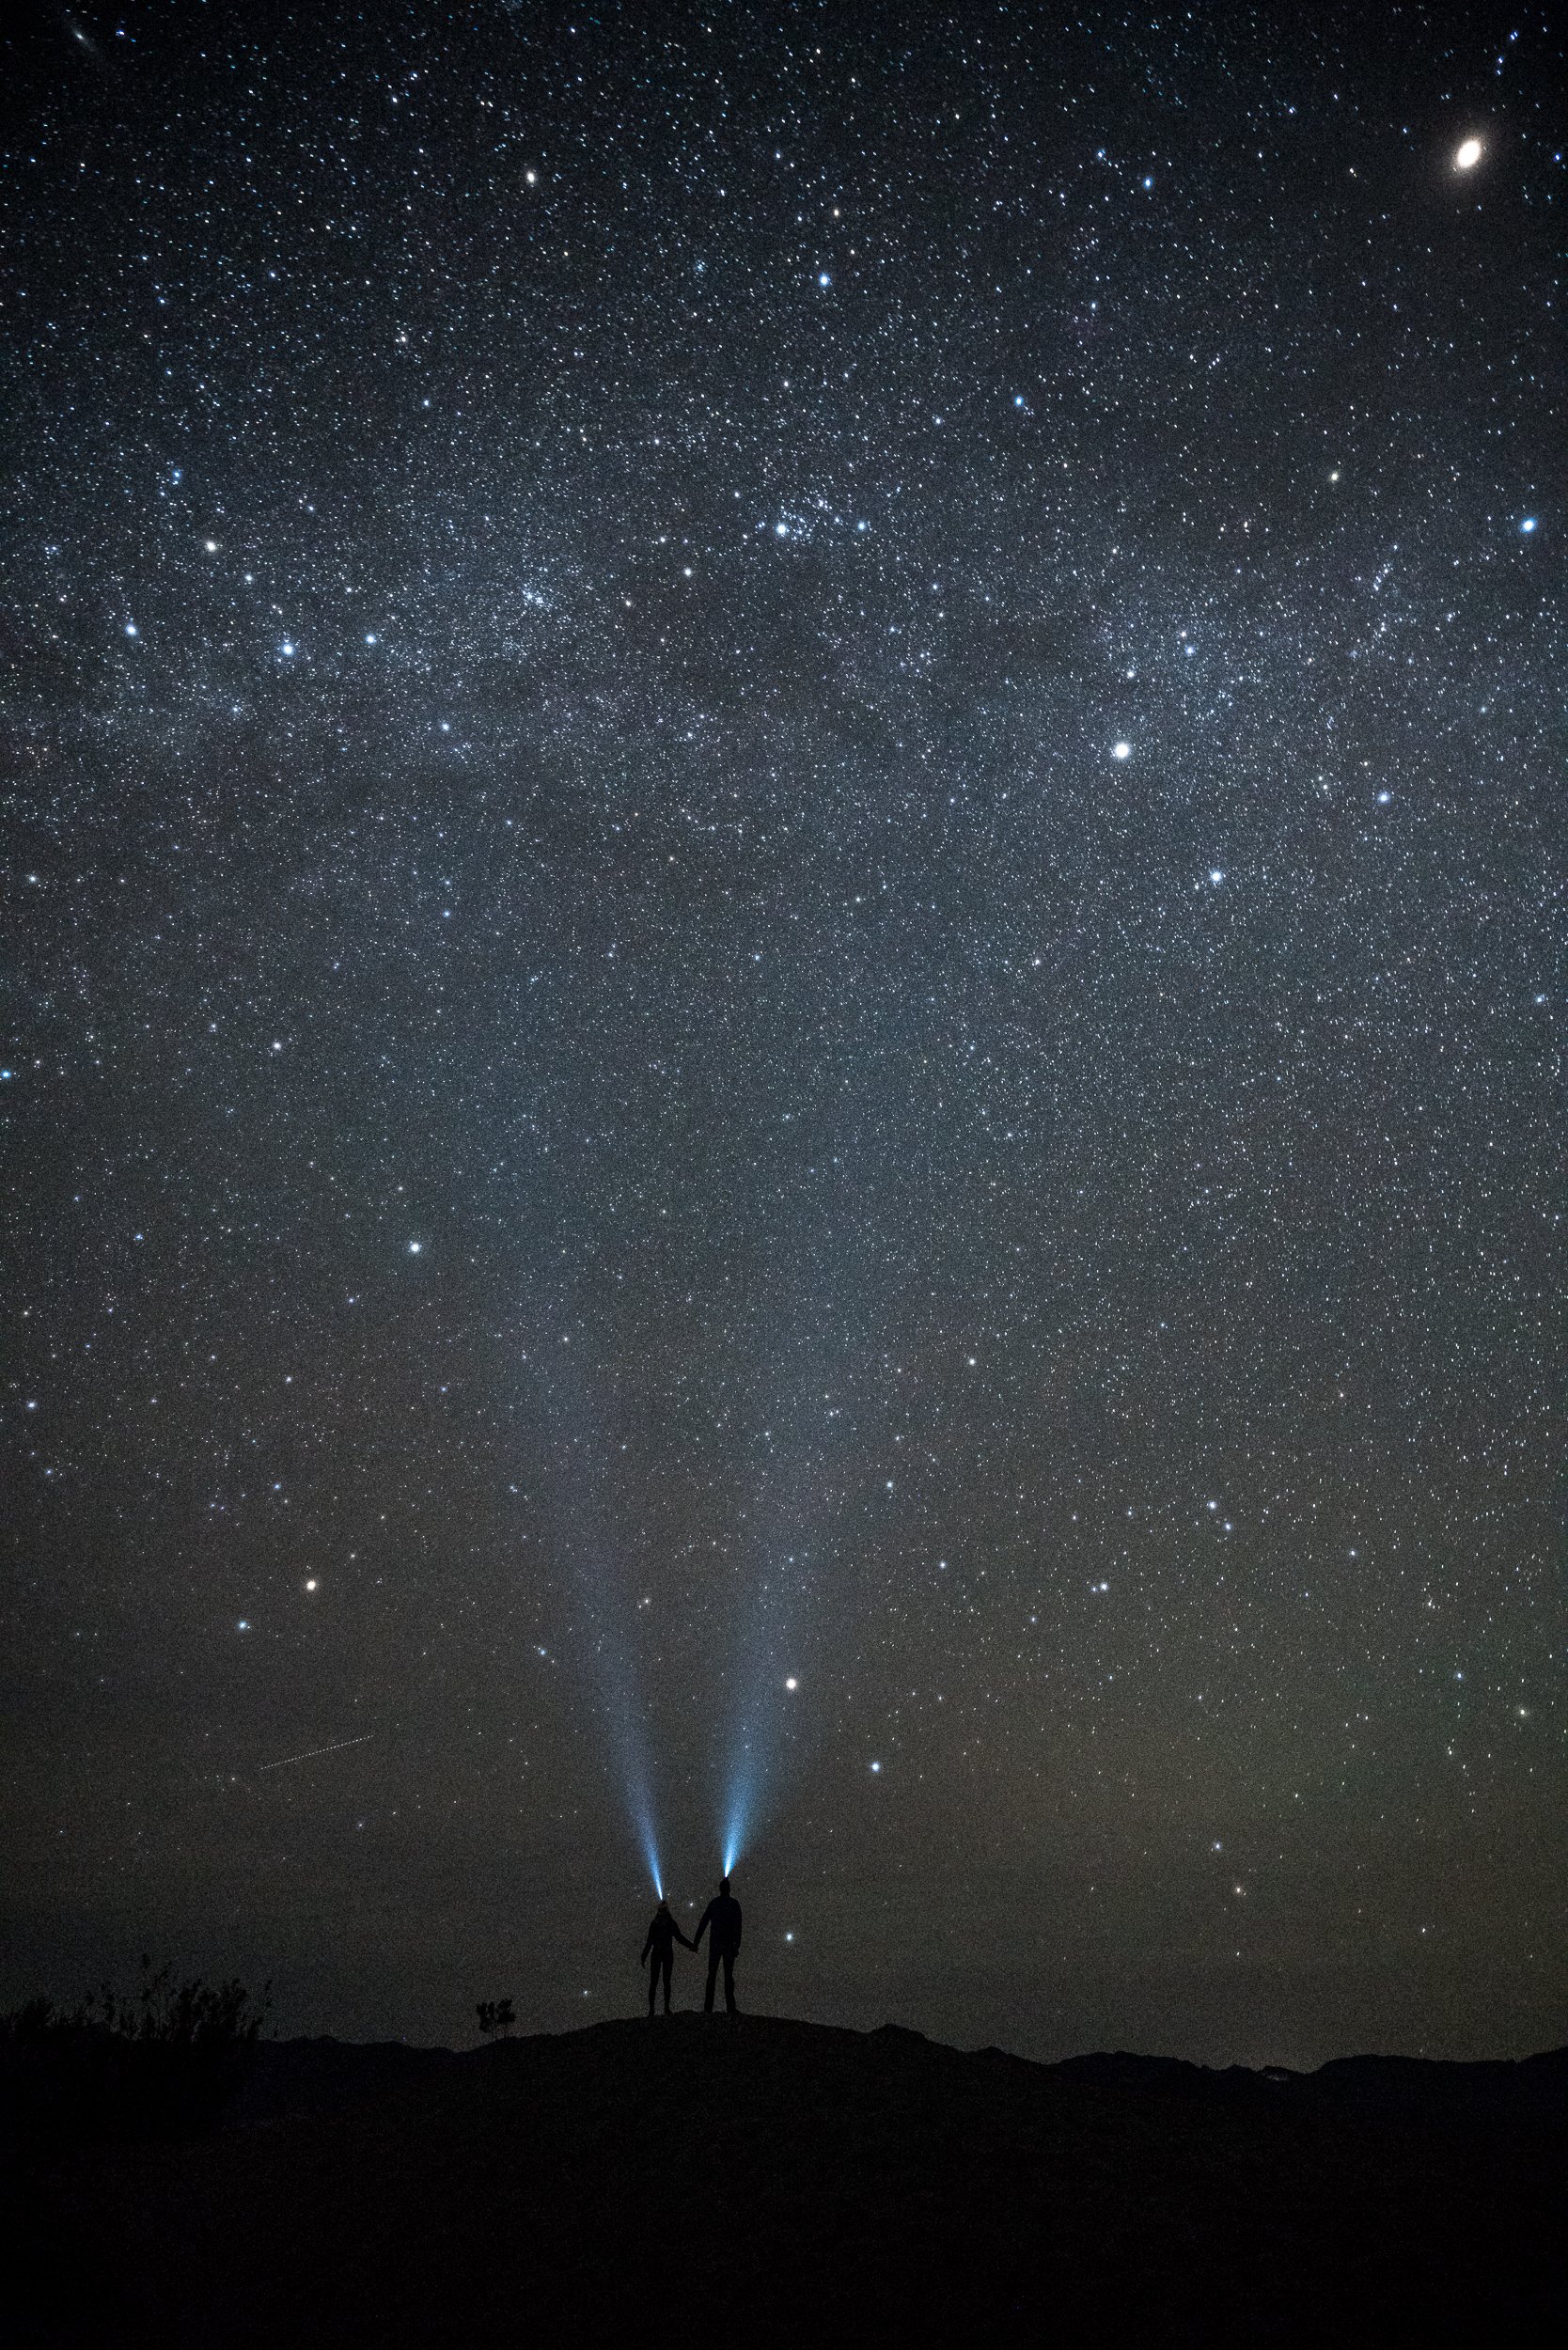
x=784 y=2182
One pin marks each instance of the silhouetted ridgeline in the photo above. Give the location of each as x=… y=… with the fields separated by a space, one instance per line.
x=819 y=2186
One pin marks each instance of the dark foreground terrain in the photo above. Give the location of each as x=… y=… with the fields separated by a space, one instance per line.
x=769 y=2182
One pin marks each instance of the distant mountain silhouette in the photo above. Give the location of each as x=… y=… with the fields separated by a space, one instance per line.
x=323 y=2076
x=805 y=2186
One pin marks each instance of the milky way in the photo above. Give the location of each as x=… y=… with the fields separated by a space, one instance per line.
x=784 y=877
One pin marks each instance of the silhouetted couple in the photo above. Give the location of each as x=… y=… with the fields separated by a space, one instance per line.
x=721 y=1924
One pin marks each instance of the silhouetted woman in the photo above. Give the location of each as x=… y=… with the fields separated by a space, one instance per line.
x=658 y=1953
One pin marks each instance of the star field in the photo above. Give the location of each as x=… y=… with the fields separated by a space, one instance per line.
x=785 y=879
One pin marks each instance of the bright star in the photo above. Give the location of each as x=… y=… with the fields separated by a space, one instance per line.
x=1528 y=525
x=1215 y=876
x=1122 y=750
x=416 y=1247
x=791 y=1682
x=1467 y=155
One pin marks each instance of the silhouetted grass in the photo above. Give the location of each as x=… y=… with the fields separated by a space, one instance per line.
x=161 y=2064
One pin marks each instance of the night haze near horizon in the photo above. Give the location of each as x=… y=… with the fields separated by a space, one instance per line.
x=784 y=877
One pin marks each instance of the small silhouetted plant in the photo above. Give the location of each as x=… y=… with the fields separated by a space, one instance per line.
x=495 y=2016
x=162 y=2063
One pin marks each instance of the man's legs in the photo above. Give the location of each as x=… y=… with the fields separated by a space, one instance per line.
x=712 y=1977
x=728 y=1983
x=667 y=1968
x=652 y=1981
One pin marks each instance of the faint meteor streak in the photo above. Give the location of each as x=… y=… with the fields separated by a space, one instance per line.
x=310 y=1753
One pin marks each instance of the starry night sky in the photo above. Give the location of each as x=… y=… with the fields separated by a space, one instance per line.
x=783 y=902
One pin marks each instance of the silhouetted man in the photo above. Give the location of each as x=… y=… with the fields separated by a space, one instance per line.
x=723 y=1915
x=658 y=1953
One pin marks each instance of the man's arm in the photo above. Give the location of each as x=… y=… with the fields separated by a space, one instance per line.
x=646 y=1948
x=703 y=1925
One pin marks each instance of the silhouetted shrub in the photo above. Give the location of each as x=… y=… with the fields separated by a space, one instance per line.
x=496 y=2015
x=162 y=2065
